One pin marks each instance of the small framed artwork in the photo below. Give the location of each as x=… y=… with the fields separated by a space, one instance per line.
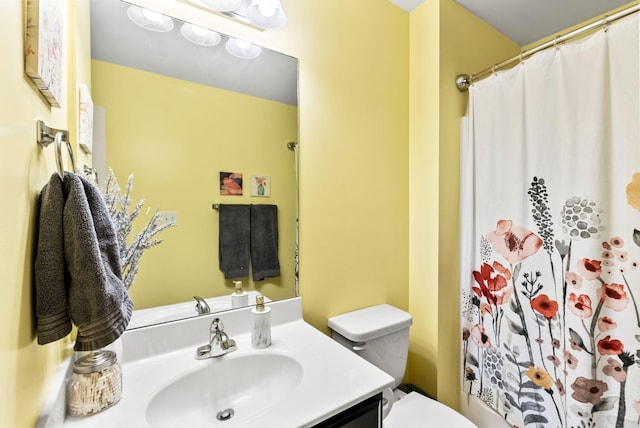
x=85 y=119
x=43 y=48
x=231 y=183
x=260 y=185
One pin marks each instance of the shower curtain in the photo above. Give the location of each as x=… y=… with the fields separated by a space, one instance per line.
x=550 y=214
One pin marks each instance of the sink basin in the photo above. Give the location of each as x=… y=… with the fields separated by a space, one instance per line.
x=227 y=391
x=302 y=379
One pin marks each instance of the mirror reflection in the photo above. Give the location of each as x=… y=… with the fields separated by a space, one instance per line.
x=178 y=116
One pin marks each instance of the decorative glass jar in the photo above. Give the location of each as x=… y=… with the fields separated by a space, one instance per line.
x=96 y=383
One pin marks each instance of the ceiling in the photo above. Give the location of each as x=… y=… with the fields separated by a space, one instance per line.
x=525 y=21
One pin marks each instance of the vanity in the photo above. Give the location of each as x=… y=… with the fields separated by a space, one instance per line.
x=304 y=379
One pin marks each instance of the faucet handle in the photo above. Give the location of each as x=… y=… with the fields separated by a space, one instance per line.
x=216 y=326
x=216 y=330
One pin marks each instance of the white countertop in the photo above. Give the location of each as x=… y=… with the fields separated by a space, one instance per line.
x=333 y=378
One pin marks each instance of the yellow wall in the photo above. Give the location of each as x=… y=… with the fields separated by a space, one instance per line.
x=423 y=207
x=446 y=40
x=175 y=137
x=354 y=182
x=26 y=369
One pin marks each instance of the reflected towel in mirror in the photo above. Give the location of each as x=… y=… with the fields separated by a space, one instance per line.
x=264 y=242
x=233 y=240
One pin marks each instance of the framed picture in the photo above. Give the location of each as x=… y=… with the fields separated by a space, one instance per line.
x=231 y=183
x=43 y=48
x=260 y=185
x=85 y=119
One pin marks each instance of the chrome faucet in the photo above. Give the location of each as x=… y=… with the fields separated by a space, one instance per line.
x=201 y=306
x=219 y=342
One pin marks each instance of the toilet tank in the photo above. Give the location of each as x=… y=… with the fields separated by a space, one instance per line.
x=379 y=334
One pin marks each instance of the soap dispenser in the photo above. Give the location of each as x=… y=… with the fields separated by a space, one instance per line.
x=239 y=298
x=261 y=328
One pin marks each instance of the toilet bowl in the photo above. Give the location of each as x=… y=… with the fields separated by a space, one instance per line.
x=380 y=335
x=415 y=410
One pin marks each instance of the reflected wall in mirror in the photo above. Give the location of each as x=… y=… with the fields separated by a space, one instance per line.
x=175 y=115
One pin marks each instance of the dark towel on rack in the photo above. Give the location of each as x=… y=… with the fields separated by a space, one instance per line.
x=264 y=242
x=233 y=241
x=52 y=319
x=98 y=301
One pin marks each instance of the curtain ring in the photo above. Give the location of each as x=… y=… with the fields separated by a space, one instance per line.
x=555 y=42
x=605 y=23
x=521 y=57
x=493 y=69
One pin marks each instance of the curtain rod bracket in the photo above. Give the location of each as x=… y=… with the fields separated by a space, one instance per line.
x=463 y=81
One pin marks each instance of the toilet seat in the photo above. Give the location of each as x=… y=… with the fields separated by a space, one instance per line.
x=417 y=411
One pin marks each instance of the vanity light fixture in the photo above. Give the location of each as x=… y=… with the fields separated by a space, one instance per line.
x=266 y=13
x=200 y=35
x=259 y=13
x=222 y=5
x=149 y=19
x=242 y=49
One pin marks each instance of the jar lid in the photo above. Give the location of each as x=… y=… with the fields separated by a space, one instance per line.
x=94 y=362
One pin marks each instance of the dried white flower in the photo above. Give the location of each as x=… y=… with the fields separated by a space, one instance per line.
x=118 y=205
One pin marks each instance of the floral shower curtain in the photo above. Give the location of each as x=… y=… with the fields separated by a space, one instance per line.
x=551 y=236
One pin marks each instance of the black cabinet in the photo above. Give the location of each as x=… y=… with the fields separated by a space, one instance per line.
x=366 y=414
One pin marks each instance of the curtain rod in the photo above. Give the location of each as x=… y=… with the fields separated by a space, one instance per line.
x=463 y=81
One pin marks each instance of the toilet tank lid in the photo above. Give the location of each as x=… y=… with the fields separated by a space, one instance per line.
x=370 y=323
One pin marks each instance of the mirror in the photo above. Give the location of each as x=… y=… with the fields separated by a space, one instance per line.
x=176 y=115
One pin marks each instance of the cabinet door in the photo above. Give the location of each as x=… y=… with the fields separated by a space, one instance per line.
x=366 y=414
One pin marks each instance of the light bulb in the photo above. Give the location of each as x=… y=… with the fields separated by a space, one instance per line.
x=152 y=15
x=266 y=13
x=242 y=49
x=149 y=19
x=199 y=35
x=243 y=45
x=267 y=8
x=198 y=30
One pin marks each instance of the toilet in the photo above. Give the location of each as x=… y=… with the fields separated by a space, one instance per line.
x=380 y=335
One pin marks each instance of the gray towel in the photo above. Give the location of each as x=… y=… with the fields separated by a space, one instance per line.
x=264 y=242
x=233 y=240
x=98 y=301
x=52 y=319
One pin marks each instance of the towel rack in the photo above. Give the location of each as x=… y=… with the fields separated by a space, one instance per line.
x=47 y=135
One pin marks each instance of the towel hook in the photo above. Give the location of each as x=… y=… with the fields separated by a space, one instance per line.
x=47 y=135
x=58 y=140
